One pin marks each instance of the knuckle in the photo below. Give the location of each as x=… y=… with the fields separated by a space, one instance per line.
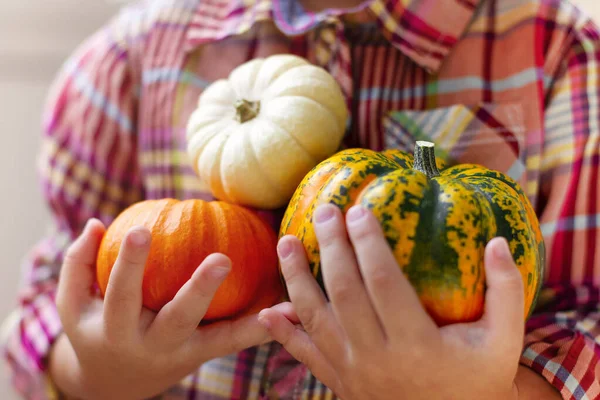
x=233 y=344
x=365 y=231
x=291 y=271
x=287 y=338
x=513 y=280
x=302 y=354
x=178 y=320
x=328 y=237
x=113 y=339
x=310 y=319
x=117 y=296
x=237 y=340
x=202 y=286
x=129 y=256
x=342 y=291
x=72 y=254
x=380 y=276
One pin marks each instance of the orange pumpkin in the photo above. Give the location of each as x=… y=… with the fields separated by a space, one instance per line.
x=184 y=233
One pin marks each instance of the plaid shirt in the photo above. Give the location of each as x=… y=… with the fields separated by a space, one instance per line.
x=511 y=84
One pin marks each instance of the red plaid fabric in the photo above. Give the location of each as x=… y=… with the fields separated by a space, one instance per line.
x=511 y=84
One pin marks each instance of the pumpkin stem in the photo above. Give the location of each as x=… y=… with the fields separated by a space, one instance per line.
x=246 y=110
x=425 y=159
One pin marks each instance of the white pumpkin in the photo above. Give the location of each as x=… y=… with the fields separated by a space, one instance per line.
x=255 y=135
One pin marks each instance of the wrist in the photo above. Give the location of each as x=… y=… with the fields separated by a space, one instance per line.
x=63 y=369
x=532 y=386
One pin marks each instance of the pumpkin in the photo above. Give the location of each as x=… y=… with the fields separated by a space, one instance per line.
x=255 y=135
x=184 y=233
x=436 y=219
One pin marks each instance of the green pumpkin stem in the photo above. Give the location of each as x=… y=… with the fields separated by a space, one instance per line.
x=246 y=110
x=425 y=159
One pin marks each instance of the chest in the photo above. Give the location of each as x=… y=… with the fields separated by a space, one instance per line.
x=473 y=108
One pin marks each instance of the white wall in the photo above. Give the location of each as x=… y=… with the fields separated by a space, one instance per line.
x=32 y=46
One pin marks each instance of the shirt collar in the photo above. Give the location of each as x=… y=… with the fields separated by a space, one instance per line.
x=424 y=30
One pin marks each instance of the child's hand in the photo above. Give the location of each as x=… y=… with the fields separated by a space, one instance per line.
x=116 y=349
x=375 y=340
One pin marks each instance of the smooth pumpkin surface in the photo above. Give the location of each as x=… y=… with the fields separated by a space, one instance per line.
x=436 y=222
x=184 y=233
x=254 y=135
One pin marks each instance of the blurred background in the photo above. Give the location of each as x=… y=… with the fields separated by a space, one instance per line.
x=32 y=47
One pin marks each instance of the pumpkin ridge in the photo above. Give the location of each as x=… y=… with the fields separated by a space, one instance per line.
x=313 y=101
x=402 y=159
x=483 y=221
x=298 y=89
x=254 y=231
x=511 y=220
x=194 y=150
x=250 y=144
x=427 y=259
x=238 y=228
x=539 y=240
x=394 y=198
x=219 y=191
x=300 y=145
x=160 y=211
x=293 y=63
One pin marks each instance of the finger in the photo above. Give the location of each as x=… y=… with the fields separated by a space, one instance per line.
x=287 y=310
x=392 y=295
x=180 y=317
x=299 y=345
x=345 y=287
x=232 y=336
x=77 y=277
x=123 y=297
x=504 y=298
x=309 y=301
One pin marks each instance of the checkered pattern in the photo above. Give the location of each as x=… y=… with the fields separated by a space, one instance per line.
x=511 y=84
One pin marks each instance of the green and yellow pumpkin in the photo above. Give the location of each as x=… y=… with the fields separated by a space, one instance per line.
x=437 y=221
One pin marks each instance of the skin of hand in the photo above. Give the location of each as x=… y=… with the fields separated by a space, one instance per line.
x=115 y=348
x=374 y=340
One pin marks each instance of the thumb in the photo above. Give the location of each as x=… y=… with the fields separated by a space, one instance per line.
x=504 y=299
x=299 y=344
x=77 y=272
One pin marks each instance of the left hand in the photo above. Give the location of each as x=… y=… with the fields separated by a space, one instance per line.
x=374 y=339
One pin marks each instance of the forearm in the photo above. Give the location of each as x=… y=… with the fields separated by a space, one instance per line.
x=532 y=386
x=63 y=371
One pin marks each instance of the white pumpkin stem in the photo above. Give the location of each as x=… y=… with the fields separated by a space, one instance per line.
x=425 y=159
x=246 y=110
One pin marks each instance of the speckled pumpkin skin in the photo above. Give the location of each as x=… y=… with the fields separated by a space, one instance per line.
x=437 y=227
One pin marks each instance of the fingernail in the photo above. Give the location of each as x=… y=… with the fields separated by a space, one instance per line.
x=219 y=273
x=139 y=237
x=262 y=319
x=501 y=250
x=355 y=213
x=284 y=249
x=87 y=225
x=323 y=214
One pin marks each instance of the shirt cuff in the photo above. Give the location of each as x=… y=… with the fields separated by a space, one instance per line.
x=27 y=337
x=557 y=347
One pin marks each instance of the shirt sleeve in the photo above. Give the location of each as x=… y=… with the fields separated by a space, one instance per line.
x=562 y=337
x=88 y=168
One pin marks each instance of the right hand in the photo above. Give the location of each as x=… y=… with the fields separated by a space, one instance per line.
x=117 y=349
